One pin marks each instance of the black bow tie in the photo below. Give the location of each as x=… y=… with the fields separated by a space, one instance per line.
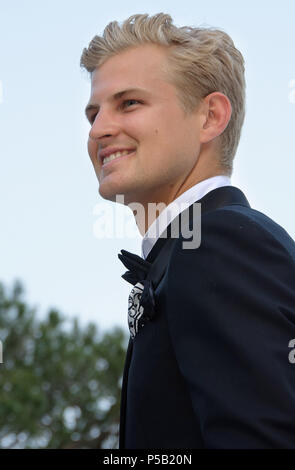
x=141 y=306
x=138 y=267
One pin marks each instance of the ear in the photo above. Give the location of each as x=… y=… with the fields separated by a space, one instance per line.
x=216 y=115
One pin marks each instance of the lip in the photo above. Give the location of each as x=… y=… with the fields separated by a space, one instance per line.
x=107 y=164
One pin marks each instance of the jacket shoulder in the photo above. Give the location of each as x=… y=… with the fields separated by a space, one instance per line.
x=241 y=224
x=270 y=228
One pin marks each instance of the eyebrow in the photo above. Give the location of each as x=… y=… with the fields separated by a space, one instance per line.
x=115 y=97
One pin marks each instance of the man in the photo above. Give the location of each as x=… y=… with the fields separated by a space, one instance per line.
x=211 y=325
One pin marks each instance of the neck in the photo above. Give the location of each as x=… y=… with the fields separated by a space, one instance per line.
x=150 y=206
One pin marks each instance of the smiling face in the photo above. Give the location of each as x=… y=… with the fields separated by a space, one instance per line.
x=148 y=120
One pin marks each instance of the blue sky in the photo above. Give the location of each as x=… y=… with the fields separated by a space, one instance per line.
x=48 y=189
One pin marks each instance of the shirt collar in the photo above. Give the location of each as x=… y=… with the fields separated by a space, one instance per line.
x=187 y=198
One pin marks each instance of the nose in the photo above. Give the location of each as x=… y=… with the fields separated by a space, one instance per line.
x=104 y=125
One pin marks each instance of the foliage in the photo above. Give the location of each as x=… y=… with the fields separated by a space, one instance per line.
x=60 y=384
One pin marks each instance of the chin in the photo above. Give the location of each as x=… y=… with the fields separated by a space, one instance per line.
x=107 y=194
x=128 y=194
x=111 y=194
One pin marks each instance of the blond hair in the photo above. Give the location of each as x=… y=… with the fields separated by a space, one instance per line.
x=201 y=61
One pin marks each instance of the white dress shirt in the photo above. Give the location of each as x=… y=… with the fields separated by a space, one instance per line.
x=186 y=199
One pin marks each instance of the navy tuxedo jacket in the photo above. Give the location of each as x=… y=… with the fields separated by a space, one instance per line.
x=212 y=369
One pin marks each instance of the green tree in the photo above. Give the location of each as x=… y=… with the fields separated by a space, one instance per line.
x=60 y=384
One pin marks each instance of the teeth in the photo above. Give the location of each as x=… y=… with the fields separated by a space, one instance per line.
x=115 y=155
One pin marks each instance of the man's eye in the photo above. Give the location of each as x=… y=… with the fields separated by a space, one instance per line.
x=128 y=101
x=92 y=118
